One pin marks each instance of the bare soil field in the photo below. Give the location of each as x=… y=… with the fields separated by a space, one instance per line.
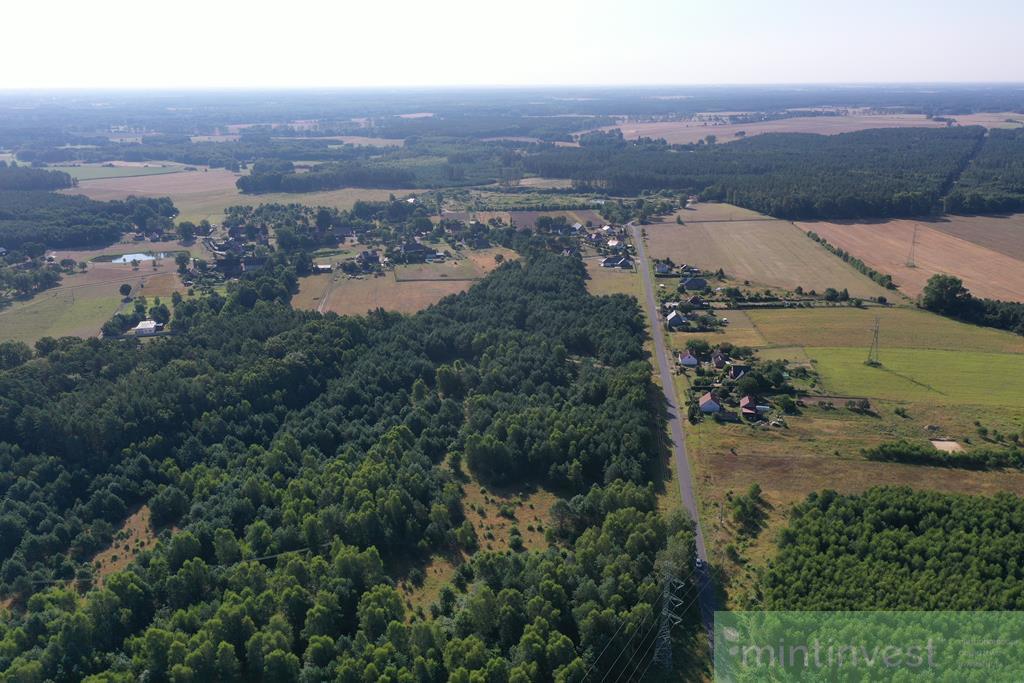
x=1004 y=234
x=885 y=247
x=693 y=130
x=768 y=253
x=546 y=183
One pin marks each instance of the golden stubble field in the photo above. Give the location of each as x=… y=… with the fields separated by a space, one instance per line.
x=886 y=247
x=769 y=253
x=205 y=194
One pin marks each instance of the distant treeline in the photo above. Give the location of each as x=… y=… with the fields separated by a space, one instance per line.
x=281 y=178
x=925 y=454
x=871 y=173
x=881 y=278
x=25 y=178
x=31 y=220
x=994 y=180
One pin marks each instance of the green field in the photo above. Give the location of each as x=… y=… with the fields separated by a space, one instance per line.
x=94 y=172
x=924 y=375
x=56 y=314
x=899 y=327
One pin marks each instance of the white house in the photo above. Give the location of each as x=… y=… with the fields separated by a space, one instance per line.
x=147 y=328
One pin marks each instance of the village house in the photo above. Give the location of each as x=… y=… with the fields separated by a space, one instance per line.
x=718 y=360
x=662 y=269
x=695 y=284
x=737 y=370
x=676 y=321
x=709 y=404
x=688 y=360
x=323 y=267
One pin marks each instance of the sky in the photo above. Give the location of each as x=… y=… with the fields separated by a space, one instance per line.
x=344 y=43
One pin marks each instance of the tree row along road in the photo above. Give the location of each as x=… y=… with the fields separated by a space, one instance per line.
x=701 y=577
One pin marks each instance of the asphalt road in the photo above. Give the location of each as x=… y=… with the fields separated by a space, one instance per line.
x=702 y=578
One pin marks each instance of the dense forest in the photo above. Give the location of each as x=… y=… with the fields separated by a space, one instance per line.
x=994 y=180
x=297 y=462
x=57 y=220
x=25 y=178
x=871 y=173
x=899 y=549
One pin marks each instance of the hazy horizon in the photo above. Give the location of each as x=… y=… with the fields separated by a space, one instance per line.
x=461 y=44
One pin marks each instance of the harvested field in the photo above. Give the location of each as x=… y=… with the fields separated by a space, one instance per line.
x=885 y=246
x=693 y=130
x=337 y=293
x=717 y=212
x=545 y=183
x=899 y=327
x=768 y=253
x=1003 y=234
x=527 y=219
x=947 y=378
x=991 y=120
x=205 y=195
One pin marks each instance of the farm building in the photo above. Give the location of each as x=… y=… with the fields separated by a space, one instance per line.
x=709 y=404
x=688 y=360
x=750 y=408
x=147 y=328
x=323 y=267
x=676 y=321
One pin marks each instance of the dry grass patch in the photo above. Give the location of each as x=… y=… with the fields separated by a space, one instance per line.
x=604 y=281
x=493 y=513
x=899 y=327
x=886 y=246
x=740 y=331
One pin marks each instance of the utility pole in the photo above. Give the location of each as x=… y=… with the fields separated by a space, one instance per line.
x=913 y=249
x=670 y=617
x=873 y=359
